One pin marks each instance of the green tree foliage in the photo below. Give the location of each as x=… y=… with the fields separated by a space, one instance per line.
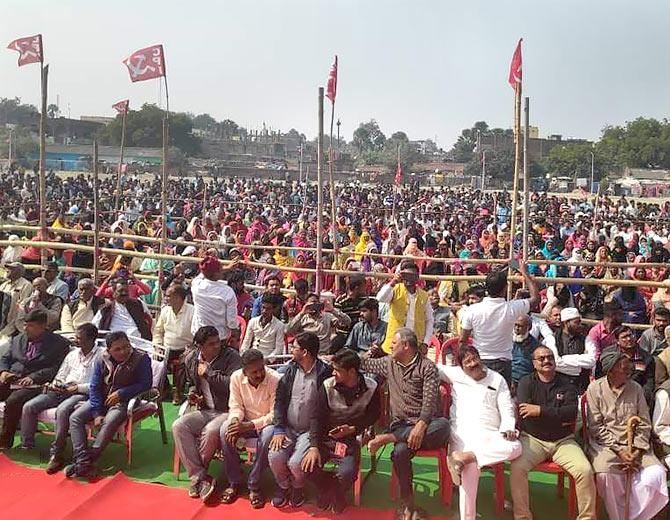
x=204 y=122
x=574 y=160
x=13 y=111
x=368 y=137
x=23 y=143
x=499 y=165
x=53 y=111
x=144 y=127
x=463 y=149
x=642 y=143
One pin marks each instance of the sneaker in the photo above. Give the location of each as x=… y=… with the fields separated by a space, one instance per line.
x=194 y=491
x=281 y=497
x=71 y=470
x=206 y=489
x=55 y=465
x=297 y=497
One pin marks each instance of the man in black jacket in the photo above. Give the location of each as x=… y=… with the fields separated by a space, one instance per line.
x=31 y=359
x=295 y=405
x=123 y=314
x=196 y=434
x=348 y=403
x=548 y=410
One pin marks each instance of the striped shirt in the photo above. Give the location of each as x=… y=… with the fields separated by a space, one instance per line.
x=413 y=388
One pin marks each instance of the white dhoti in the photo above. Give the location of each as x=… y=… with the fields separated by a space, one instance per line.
x=489 y=448
x=648 y=495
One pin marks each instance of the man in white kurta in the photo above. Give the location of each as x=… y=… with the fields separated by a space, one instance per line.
x=482 y=422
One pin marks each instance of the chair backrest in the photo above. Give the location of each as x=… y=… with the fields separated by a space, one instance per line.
x=445 y=395
x=159 y=364
x=243 y=327
x=451 y=346
x=585 y=430
x=437 y=347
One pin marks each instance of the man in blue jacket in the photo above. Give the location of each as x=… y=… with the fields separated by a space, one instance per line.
x=120 y=374
x=295 y=405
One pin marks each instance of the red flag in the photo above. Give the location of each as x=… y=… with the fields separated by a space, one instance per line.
x=29 y=49
x=515 y=67
x=148 y=63
x=121 y=107
x=331 y=89
x=398 y=174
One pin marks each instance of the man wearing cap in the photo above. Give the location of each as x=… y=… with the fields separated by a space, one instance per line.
x=574 y=351
x=409 y=306
x=31 y=359
x=611 y=401
x=19 y=289
x=55 y=286
x=214 y=301
x=491 y=322
x=548 y=411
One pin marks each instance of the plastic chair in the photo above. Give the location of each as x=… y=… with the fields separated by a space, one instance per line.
x=435 y=347
x=451 y=345
x=549 y=466
x=243 y=327
x=444 y=478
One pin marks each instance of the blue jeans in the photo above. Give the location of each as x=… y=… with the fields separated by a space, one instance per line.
x=285 y=463
x=83 y=456
x=436 y=436
x=233 y=464
x=64 y=404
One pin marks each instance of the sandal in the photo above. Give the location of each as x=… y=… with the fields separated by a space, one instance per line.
x=229 y=495
x=256 y=500
x=455 y=468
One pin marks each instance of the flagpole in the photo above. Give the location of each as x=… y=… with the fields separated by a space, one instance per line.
x=333 y=213
x=515 y=182
x=96 y=213
x=117 y=205
x=396 y=185
x=319 y=204
x=304 y=197
x=164 y=187
x=526 y=197
x=44 y=75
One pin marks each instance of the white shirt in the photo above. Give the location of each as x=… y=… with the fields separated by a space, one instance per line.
x=573 y=364
x=77 y=368
x=121 y=320
x=174 y=330
x=484 y=405
x=539 y=327
x=492 y=323
x=59 y=288
x=269 y=339
x=661 y=419
x=215 y=304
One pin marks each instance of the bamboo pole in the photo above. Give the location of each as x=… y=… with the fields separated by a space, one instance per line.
x=117 y=200
x=319 y=182
x=526 y=191
x=333 y=196
x=515 y=181
x=96 y=212
x=44 y=75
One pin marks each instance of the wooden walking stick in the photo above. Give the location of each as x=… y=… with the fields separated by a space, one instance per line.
x=631 y=427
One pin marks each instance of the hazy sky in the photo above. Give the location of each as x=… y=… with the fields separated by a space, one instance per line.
x=429 y=68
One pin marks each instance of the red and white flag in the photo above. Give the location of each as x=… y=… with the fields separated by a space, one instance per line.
x=331 y=88
x=148 y=63
x=29 y=49
x=398 y=174
x=121 y=107
x=515 y=67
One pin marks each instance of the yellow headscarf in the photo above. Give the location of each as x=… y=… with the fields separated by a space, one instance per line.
x=362 y=246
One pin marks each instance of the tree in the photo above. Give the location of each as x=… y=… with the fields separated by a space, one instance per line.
x=23 y=144
x=53 y=111
x=464 y=147
x=13 y=111
x=368 y=137
x=574 y=160
x=408 y=155
x=144 y=127
x=642 y=143
x=499 y=165
x=204 y=122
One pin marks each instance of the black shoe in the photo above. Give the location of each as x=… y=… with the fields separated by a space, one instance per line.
x=71 y=470
x=323 y=501
x=339 y=502
x=194 y=491
x=55 y=464
x=297 y=497
x=206 y=489
x=281 y=497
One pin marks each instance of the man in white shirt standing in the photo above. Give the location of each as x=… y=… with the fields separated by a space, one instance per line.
x=266 y=332
x=173 y=331
x=483 y=424
x=490 y=323
x=69 y=387
x=214 y=301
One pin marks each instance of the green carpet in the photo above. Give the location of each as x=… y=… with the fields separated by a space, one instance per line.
x=152 y=462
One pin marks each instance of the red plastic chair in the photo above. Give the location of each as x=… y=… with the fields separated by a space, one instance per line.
x=436 y=349
x=446 y=484
x=551 y=467
x=450 y=346
x=243 y=327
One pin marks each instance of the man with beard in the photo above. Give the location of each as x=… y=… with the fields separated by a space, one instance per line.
x=523 y=345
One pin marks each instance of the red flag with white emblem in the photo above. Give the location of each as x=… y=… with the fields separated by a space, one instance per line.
x=121 y=107
x=29 y=49
x=515 y=73
x=331 y=88
x=148 y=63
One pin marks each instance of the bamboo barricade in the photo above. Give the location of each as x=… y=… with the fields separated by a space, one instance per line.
x=454 y=278
x=218 y=245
